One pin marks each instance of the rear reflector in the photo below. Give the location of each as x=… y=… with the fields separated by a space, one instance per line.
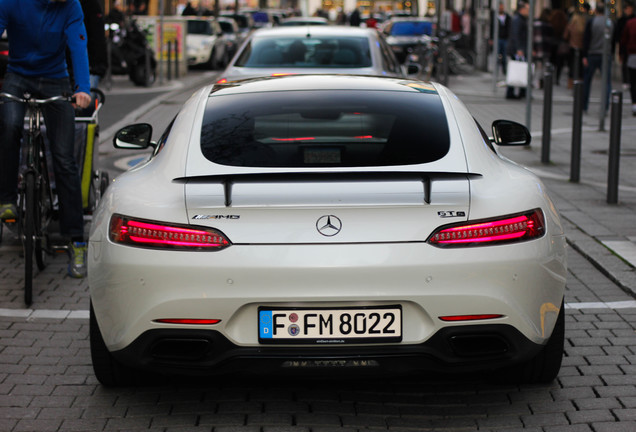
x=507 y=229
x=190 y=321
x=144 y=233
x=470 y=317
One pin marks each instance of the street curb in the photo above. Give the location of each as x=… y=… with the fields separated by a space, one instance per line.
x=602 y=258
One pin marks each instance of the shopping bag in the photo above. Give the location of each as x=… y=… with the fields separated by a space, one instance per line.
x=517 y=73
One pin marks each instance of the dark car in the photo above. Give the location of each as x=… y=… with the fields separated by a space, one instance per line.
x=243 y=20
x=231 y=34
x=4 y=58
x=405 y=33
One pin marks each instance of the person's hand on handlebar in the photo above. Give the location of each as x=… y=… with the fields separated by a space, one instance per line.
x=82 y=100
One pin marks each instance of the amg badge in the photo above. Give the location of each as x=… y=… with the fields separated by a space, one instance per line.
x=201 y=217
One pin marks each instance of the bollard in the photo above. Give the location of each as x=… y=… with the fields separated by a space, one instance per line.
x=547 y=114
x=147 y=70
x=176 y=59
x=169 y=65
x=445 y=68
x=108 y=78
x=614 y=147
x=577 y=64
x=577 y=123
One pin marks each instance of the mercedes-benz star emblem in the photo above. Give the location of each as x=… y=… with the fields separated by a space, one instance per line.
x=329 y=225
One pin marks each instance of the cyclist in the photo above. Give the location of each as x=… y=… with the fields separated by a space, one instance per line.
x=39 y=31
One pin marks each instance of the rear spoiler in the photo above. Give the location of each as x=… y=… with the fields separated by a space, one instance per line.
x=229 y=179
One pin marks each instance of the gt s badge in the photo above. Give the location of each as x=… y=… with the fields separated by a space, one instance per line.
x=450 y=214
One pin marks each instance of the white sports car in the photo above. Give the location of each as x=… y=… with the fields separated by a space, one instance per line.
x=339 y=222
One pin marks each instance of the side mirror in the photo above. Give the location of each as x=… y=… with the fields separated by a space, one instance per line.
x=135 y=137
x=509 y=133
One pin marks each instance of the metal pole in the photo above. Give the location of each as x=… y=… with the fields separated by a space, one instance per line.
x=577 y=123
x=176 y=58
x=547 y=114
x=160 y=41
x=614 y=147
x=529 y=60
x=577 y=64
x=108 y=78
x=605 y=69
x=147 y=68
x=169 y=61
x=444 y=48
x=495 y=47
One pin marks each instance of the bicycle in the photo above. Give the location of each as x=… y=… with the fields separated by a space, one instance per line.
x=35 y=195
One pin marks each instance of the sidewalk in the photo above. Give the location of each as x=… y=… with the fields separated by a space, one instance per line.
x=604 y=233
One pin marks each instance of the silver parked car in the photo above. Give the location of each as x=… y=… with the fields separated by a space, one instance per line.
x=311 y=50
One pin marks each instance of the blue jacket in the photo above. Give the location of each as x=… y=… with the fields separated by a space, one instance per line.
x=39 y=32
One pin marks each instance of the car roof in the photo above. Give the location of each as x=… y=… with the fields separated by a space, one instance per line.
x=322 y=82
x=305 y=19
x=328 y=30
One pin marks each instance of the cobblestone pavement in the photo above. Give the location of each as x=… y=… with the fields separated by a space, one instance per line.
x=47 y=384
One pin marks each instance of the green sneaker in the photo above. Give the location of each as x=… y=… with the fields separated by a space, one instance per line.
x=77 y=261
x=8 y=212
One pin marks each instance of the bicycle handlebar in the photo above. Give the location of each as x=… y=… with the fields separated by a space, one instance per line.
x=28 y=99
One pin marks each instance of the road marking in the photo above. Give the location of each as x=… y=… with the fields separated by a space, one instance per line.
x=32 y=314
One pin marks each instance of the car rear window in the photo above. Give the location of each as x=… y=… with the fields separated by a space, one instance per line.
x=306 y=52
x=199 y=27
x=324 y=128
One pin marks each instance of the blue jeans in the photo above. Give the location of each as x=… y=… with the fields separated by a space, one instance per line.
x=594 y=62
x=60 y=130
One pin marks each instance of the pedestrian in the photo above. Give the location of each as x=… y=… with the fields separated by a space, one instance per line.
x=592 y=54
x=518 y=43
x=37 y=64
x=504 y=30
x=543 y=42
x=628 y=14
x=193 y=8
x=574 y=32
x=466 y=40
x=354 y=19
x=96 y=40
x=560 y=47
x=628 y=39
x=116 y=14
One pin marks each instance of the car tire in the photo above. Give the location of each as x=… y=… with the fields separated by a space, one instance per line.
x=545 y=366
x=108 y=370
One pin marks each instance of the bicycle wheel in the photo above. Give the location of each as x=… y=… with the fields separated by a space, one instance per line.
x=29 y=234
x=43 y=213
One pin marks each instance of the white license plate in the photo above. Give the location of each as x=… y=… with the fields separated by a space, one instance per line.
x=330 y=326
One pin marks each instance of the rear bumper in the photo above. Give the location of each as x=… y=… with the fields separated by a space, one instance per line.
x=207 y=353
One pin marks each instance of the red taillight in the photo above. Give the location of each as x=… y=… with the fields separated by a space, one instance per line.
x=514 y=228
x=136 y=232
x=470 y=317
x=222 y=81
x=294 y=139
x=191 y=321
